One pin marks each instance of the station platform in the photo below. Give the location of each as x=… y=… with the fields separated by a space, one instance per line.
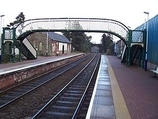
x=107 y=101
x=120 y=92
x=123 y=92
x=139 y=89
x=12 y=67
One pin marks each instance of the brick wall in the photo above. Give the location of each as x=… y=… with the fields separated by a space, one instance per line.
x=10 y=79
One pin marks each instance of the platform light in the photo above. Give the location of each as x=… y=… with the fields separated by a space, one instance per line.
x=1 y=23
x=1 y=35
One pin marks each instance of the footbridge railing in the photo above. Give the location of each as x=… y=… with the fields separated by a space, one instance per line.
x=74 y=24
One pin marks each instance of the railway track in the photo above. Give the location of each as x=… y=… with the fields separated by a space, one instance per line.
x=12 y=94
x=25 y=97
x=69 y=101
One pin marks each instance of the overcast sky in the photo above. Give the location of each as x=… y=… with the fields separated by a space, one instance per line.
x=129 y=12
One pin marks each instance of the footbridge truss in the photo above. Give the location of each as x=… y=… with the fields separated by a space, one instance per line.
x=73 y=24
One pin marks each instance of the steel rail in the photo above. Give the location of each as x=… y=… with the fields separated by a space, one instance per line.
x=34 y=88
x=82 y=98
x=36 y=115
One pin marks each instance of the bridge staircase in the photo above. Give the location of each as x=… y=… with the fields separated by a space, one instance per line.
x=136 y=48
x=27 y=49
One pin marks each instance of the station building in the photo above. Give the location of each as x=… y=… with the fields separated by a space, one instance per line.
x=50 y=43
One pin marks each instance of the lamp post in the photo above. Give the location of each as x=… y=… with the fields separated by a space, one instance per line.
x=1 y=36
x=146 y=51
x=47 y=45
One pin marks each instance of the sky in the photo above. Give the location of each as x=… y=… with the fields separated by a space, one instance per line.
x=129 y=12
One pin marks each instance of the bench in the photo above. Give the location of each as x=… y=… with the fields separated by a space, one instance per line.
x=155 y=71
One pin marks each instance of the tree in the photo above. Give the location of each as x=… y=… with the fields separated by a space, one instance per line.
x=106 y=42
x=79 y=40
x=19 y=20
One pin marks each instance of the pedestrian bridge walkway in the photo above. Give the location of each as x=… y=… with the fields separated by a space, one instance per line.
x=73 y=24
x=18 y=32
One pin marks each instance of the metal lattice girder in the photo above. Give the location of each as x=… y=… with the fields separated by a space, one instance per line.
x=137 y=36
x=74 y=24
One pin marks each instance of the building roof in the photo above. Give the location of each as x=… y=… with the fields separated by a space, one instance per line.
x=58 y=37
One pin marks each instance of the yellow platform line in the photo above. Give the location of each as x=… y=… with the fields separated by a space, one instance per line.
x=121 y=109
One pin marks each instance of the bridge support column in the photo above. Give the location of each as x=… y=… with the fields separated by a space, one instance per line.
x=128 y=61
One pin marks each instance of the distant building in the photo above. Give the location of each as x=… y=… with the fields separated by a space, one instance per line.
x=50 y=43
x=118 y=49
x=95 y=49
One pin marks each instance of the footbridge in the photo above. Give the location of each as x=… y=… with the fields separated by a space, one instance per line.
x=73 y=25
x=18 y=33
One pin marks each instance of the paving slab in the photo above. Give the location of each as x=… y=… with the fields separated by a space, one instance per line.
x=139 y=89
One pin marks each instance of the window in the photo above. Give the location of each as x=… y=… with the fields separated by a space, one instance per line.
x=40 y=46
